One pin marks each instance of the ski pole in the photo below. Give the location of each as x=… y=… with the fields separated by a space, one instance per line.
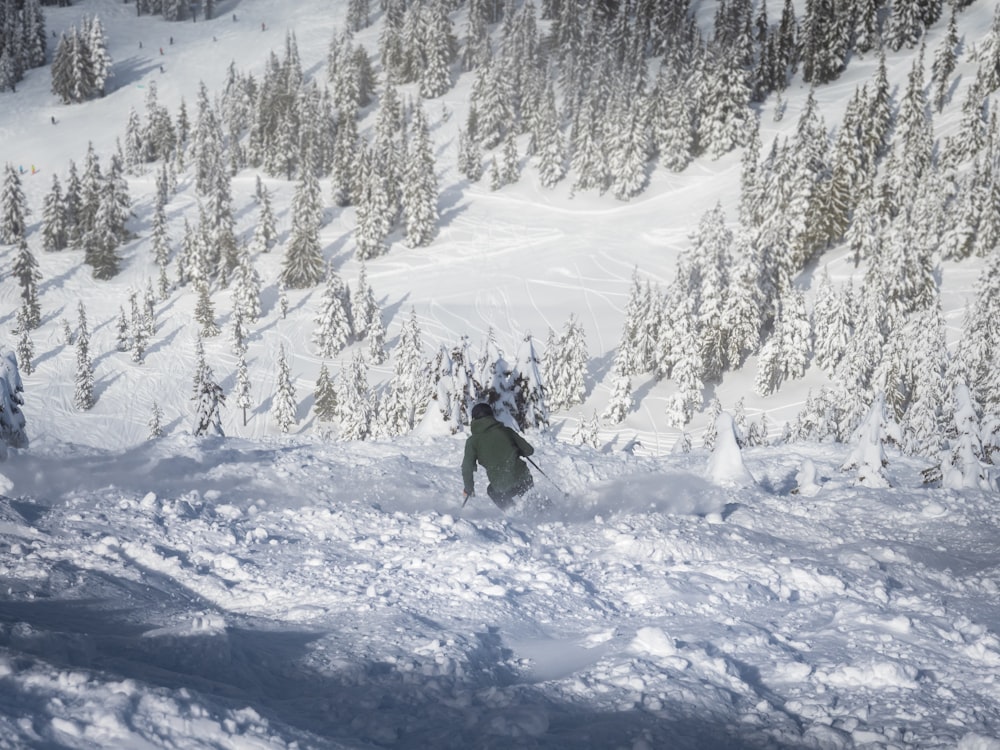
x=565 y=494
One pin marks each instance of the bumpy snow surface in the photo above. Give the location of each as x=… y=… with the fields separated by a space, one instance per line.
x=230 y=594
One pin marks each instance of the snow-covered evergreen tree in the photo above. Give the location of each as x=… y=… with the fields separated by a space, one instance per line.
x=13 y=207
x=24 y=347
x=407 y=391
x=335 y=328
x=354 y=400
x=303 y=265
x=155 y=422
x=204 y=311
x=530 y=388
x=325 y=396
x=620 y=402
x=420 y=188
x=868 y=456
x=55 y=231
x=284 y=406
x=25 y=270
x=566 y=366
x=208 y=405
x=83 y=397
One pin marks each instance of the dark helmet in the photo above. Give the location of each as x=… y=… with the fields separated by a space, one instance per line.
x=481 y=410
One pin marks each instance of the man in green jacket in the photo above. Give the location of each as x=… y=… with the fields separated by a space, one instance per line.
x=498 y=449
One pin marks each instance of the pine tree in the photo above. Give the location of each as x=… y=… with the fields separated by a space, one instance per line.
x=83 y=398
x=725 y=99
x=161 y=248
x=904 y=27
x=375 y=334
x=868 y=455
x=303 y=265
x=436 y=49
x=549 y=149
x=334 y=324
x=945 y=61
x=566 y=364
x=246 y=290
x=420 y=188
x=12 y=421
x=325 y=396
x=55 y=232
x=25 y=348
x=156 y=422
x=407 y=392
x=530 y=389
x=25 y=270
x=284 y=406
x=14 y=207
x=204 y=311
x=687 y=369
x=244 y=397
x=832 y=324
x=209 y=402
x=620 y=403
x=354 y=401
x=265 y=231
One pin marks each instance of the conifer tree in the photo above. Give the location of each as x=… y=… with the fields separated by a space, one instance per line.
x=945 y=61
x=530 y=389
x=244 y=397
x=566 y=364
x=354 y=400
x=265 y=231
x=83 y=397
x=436 y=49
x=334 y=324
x=407 y=392
x=204 y=311
x=868 y=455
x=725 y=99
x=420 y=188
x=903 y=27
x=964 y=460
x=375 y=335
x=55 y=232
x=209 y=402
x=25 y=348
x=14 y=207
x=246 y=290
x=470 y=156
x=687 y=369
x=25 y=270
x=284 y=406
x=549 y=149
x=620 y=402
x=325 y=396
x=303 y=264
x=155 y=422
x=161 y=248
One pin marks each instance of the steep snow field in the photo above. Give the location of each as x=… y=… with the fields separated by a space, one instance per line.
x=266 y=591
x=224 y=593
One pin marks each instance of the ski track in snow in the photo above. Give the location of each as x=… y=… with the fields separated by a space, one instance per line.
x=223 y=593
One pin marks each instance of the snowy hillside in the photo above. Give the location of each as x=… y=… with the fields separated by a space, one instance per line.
x=285 y=587
x=220 y=593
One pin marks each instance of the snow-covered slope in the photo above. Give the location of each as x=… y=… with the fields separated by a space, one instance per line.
x=225 y=593
x=286 y=591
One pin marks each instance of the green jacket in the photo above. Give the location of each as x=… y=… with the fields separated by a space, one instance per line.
x=497 y=449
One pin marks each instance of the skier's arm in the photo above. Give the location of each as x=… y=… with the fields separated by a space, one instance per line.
x=468 y=467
